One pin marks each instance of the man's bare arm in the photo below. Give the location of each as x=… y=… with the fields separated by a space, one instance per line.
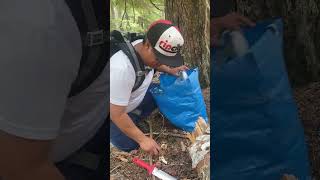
x=172 y=71
x=26 y=159
x=121 y=119
x=232 y=21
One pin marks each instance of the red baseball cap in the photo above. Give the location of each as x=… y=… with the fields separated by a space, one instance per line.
x=166 y=40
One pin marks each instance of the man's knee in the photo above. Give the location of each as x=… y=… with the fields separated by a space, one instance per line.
x=124 y=144
x=120 y=140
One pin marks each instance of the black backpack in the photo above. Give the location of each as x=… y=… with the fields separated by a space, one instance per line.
x=91 y=18
x=119 y=42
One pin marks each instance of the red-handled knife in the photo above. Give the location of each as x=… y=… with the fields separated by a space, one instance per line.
x=153 y=170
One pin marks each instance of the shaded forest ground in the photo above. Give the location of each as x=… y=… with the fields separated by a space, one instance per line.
x=174 y=151
x=179 y=162
x=308 y=101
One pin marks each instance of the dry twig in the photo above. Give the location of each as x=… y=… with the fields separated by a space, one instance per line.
x=150 y=156
x=121 y=153
x=169 y=134
x=122 y=159
x=162 y=130
x=115 y=168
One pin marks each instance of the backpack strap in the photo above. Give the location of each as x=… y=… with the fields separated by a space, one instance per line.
x=134 y=58
x=140 y=69
x=94 y=56
x=95 y=35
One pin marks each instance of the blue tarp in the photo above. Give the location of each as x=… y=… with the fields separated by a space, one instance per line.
x=257 y=134
x=180 y=101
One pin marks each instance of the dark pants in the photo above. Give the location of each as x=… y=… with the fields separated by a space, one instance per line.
x=118 y=138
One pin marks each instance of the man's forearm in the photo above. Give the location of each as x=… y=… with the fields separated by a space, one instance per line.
x=216 y=29
x=22 y=158
x=126 y=125
x=217 y=25
x=164 y=68
x=46 y=171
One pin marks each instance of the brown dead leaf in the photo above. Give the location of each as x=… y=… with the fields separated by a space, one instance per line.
x=121 y=153
x=164 y=146
x=158 y=164
x=133 y=152
x=288 y=177
x=183 y=147
x=122 y=159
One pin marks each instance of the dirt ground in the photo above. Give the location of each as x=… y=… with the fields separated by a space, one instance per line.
x=308 y=101
x=177 y=161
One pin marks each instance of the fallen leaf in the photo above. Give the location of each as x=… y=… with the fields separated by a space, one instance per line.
x=183 y=147
x=112 y=177
x=158 y=164
x=123 y=159
x=161 y=158
x=164 y=146
x=288 y=177
x=175 y=131
x=133 y=152
x=121 y=153
x=172 y=172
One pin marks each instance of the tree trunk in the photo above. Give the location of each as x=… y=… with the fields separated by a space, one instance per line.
x=112 y=12
x=193 y=19
x=301 y=33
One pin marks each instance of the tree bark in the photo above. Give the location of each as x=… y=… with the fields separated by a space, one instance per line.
x=301 y=33
x=193 y=19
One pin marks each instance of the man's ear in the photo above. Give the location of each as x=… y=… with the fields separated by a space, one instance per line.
x=147 y=44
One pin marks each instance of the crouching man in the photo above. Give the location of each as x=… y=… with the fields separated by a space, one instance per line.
x=159 y=50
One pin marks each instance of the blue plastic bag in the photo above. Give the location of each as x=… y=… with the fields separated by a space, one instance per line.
x=180 y=101
x=257 y=134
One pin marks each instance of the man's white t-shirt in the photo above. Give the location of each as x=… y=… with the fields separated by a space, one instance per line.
x=122 y=79
x=39 y=60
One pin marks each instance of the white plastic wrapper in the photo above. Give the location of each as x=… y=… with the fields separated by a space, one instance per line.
x=183 y=75
x=239 y=43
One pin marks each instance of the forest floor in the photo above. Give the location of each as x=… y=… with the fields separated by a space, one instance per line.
x=177 y=161
x=176 y=154
x=308 y=101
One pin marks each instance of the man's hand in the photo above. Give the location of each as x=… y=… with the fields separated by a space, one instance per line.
x=175 y=71
x=232 y=21
x=126 y=125
x=150 y=146
x=172 y=71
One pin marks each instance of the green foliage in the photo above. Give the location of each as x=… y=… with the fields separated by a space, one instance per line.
x=134 y=15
